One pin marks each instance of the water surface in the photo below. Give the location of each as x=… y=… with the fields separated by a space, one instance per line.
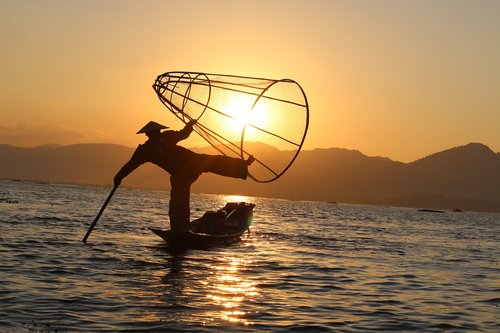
x=304 y=267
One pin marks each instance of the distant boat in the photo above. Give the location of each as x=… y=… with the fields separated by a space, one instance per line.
x=430 y=210
x=224 y=226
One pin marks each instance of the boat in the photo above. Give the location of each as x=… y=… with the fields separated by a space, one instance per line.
x=214 y=228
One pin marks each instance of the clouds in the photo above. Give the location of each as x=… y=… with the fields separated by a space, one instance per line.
x=30 y=135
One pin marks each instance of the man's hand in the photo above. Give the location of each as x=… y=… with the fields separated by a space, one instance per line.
x=192 y=122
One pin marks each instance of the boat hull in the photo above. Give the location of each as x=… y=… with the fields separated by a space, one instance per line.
x=214 y=228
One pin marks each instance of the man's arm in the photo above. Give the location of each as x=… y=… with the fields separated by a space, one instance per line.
x=186 y=131
x=137 y=159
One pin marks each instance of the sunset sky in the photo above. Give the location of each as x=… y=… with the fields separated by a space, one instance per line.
x=401 y=79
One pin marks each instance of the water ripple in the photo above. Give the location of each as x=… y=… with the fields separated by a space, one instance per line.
x=304 y=267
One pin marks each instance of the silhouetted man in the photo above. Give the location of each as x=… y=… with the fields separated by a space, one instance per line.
x=183 y=165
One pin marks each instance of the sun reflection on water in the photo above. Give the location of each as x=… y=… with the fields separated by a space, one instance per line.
x=229 y=288
x=237 y=198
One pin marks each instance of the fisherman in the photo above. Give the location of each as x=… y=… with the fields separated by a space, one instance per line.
x=183 y=165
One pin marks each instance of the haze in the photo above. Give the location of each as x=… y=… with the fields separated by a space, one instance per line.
x=401 y=79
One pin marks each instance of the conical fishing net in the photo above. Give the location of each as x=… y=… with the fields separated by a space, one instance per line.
x=241 y=116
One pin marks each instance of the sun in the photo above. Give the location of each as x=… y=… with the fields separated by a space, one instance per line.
x=238 y=108
x=242 y=112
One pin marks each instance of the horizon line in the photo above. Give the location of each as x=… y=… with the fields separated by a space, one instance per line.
x=55 y=145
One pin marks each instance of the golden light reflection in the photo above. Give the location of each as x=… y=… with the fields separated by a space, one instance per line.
x=229 y=289
x=236 y=198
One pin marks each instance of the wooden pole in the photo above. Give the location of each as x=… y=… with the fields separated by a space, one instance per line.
x=99 y=214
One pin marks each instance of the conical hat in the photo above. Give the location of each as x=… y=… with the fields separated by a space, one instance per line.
x=151 y=127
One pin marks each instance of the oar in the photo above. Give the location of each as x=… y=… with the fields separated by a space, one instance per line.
x=99 y=214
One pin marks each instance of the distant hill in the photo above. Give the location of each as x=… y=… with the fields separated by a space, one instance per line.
x=465 y=177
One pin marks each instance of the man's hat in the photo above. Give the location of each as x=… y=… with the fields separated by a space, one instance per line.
x=151 y=127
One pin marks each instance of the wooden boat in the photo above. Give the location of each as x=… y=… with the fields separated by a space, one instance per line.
x=214 y=228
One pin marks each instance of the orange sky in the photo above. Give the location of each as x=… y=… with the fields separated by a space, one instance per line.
x=401 y=79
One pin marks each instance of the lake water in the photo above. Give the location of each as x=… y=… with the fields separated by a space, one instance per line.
x=304 y=267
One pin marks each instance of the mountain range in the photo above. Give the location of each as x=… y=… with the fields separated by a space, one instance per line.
x=464 y=178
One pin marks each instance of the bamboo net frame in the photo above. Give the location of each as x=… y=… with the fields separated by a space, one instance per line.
x=192 y=95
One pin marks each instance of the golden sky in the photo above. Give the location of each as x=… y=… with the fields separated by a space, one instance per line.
x=401 y=79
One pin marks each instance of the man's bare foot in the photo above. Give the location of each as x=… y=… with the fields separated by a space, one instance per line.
x=250 y=159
